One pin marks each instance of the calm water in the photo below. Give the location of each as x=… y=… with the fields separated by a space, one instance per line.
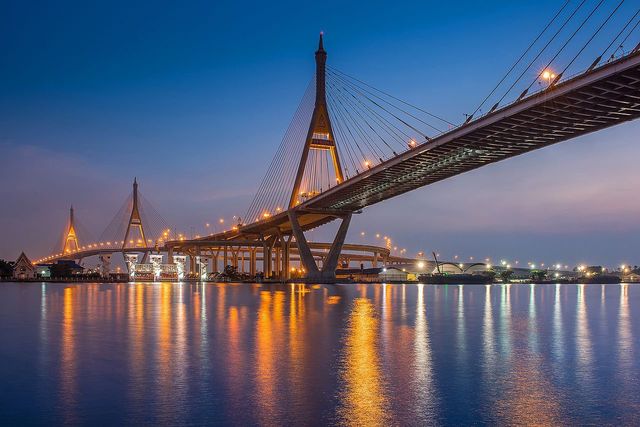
x=295 y=354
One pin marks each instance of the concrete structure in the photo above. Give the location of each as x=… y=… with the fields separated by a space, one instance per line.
x=71 y=239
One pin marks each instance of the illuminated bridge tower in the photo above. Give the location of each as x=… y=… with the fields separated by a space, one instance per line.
x=135 y=223
x=71 y=239
x=319 y=137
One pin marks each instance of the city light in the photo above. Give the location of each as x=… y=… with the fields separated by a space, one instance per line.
x=548 y=76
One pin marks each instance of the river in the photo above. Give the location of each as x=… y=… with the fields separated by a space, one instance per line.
x=370 y=354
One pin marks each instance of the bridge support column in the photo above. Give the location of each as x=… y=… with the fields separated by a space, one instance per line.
x=252 y=261
x=286 y=261
x=192 y=264
x=225 y=259
x=214 y=259
x=328 y=272
x=266 y=258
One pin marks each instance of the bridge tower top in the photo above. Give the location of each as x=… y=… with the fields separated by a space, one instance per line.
x=320 y=134
x=71 y=239
x=135 y=222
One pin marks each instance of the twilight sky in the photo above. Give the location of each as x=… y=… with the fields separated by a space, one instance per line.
x=194 y=100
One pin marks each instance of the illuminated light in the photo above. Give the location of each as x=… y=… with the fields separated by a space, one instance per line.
x=234 y=228
x=558 y=266
x=108 y=243
x=420 y=264
x=278 y=209
x=461 y=265
x=221 y=220
x=377 y=236
x=412 y=143
x=266 y=215
x=508 y=265
x=489 y=266
x=362 y=233
x=367 y=163
x=131 y=242
x=546 y=75
x=557 y=275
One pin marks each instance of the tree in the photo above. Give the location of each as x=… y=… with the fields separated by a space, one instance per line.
x=231 y=272
x=505 y=275
x=538 y=275
x=6 y=268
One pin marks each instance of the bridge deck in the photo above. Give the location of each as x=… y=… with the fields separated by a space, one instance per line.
x=604 y=97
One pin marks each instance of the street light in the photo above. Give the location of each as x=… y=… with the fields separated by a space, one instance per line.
x=548 y=76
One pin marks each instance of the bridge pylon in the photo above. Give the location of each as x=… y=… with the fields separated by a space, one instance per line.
x=320 y=135
x=135 y=222
x=71 y=238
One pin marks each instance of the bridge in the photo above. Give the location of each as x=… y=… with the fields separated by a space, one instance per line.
x=350 y=146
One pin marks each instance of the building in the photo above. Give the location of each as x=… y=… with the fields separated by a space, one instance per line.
x=23 y=269
x=43 y=271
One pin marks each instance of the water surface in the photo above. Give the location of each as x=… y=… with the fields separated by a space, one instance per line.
x=245 y=354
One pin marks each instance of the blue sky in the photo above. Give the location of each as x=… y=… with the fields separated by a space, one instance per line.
x=193 y=99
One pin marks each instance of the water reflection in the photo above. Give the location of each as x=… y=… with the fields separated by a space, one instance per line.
x=363 y=399
x=425 y=398
x=68 y=385
x=168 y=353
x=583 y=340
x=489 y=351
x=558 y=333
x=505 y=320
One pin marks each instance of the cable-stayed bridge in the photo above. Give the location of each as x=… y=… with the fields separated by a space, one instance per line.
x=351 y=145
